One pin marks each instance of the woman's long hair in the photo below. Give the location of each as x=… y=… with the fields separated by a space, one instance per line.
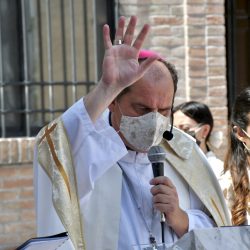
x=236 y=158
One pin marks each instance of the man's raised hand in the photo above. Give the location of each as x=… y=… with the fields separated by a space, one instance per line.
x=120 y=66
x=120 y=63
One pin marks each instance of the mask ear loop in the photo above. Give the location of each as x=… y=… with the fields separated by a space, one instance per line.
x=246 y=148
x=110 y=120
x=245 y=132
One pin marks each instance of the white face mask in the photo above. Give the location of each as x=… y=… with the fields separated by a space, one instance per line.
x=145 y=131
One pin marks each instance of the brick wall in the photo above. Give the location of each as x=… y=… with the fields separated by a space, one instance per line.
x=17 y=211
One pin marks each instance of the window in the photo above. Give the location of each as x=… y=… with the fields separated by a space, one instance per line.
x=50 y=56
x=238 y=51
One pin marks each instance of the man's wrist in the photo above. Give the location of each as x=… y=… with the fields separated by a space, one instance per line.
x=179 y=222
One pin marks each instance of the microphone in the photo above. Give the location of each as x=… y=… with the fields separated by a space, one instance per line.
x=168 y=135
x=156 y=156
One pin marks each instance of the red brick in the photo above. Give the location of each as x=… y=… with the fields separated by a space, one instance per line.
x=27 y=204
x=19 y=227
x=15 y=183
x=217 y=101
x=219 y=111
x=28 y=215
x=197 y=52
x=197 y=64
x=8 y=217
x=197 y=73
x=26 y=171
x=218 y=91
x=4 y=147
x=7 y=239
x=216 y=51
x=16 y=206
x=216 y=30
x=197 y=82
x=163 y=2
x=14 y=154
x=8 y=195
x=215 y=20
x=156 y=20
x=216 y=41
x=196 y=31
x=197 y=41
x=195 y=1
x=26 y=193
x=215 y=9
x=8 y=171
x=196 y=9
x=198 y=91
x=216 y=71
x=217 y=81
x=161 y=30
x=200 y=21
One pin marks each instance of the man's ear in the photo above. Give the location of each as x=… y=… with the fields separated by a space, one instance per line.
x=112 y=106
x=240 y=135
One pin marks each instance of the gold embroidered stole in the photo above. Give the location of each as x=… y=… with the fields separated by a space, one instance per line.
x=203 y=183
x=54 y=155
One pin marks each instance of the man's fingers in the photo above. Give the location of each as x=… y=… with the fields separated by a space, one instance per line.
x=162 y=180
x=129 y=35
x=141 y=37
x=120 y=29
x=146 y=64
x=106 y=37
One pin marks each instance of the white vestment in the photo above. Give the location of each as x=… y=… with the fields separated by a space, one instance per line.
x=96 y=149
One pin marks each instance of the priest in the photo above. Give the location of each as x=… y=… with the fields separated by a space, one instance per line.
x=92 y=174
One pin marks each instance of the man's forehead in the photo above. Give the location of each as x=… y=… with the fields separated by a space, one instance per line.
x=158 y=69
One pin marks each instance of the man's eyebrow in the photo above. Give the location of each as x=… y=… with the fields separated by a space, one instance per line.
x=146 y=106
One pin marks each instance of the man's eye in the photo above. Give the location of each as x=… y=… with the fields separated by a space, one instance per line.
x=142 y=110
x=166 y=113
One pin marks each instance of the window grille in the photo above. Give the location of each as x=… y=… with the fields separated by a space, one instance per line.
x=50 y=56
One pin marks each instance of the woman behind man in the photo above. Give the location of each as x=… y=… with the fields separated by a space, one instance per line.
x=196 y=119
x=237 y=161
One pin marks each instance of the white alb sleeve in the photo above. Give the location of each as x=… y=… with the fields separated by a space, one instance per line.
x=95 y=147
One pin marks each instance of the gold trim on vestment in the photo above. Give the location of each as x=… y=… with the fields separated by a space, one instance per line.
x=54 y=155
x=218 y=211
x=55 y=158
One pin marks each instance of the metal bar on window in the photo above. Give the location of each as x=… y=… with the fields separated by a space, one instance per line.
x=62 y=5
x=50 y=64
x=73 y=50
x=40 y=48
x=1 y=85
x=45 y=83
x=25 y=68
x=85 y=16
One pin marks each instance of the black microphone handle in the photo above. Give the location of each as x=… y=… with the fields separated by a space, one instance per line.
x=158 y=168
